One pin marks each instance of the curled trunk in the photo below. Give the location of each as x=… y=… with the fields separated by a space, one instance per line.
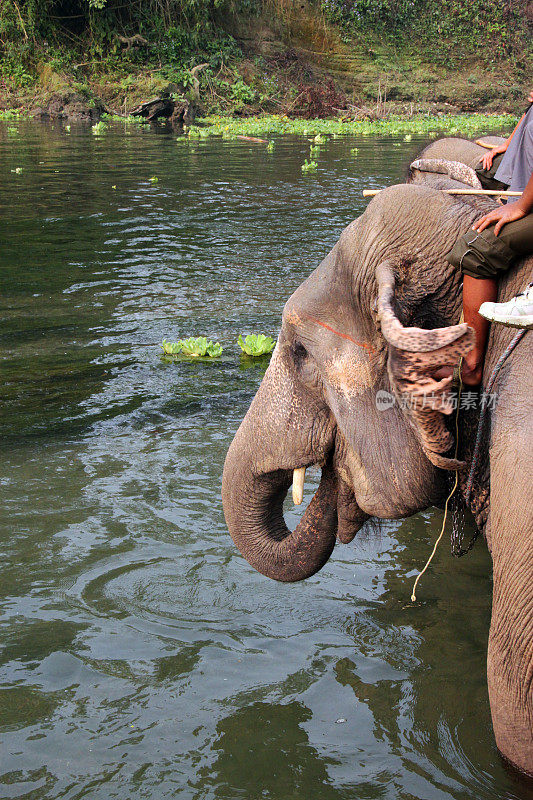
x=253 y=506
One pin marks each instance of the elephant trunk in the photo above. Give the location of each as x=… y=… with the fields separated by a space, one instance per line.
x=253 y=507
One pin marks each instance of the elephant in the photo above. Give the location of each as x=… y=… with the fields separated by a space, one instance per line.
x=453 y=158
x=351 y=388
x=453 y=148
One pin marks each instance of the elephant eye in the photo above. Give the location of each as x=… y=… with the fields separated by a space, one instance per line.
x=299 y=353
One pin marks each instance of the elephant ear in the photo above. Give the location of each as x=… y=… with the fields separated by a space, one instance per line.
x=455 y=170
x=414 y=355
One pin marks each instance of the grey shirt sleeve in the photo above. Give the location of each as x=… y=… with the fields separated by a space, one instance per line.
x=517 y=163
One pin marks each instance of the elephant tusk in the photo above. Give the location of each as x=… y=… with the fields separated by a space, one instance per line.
x=298 y=477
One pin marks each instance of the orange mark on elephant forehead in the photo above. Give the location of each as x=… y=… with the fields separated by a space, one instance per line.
x=365 y=345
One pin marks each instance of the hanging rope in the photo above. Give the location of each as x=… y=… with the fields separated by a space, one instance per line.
x=475 y=456
x=454 y=487
x=484 y=405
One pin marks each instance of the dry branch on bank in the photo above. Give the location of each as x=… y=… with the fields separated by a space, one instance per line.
x=179 y=112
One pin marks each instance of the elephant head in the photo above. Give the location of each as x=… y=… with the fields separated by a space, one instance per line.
x=350 y=387
x=449 y=163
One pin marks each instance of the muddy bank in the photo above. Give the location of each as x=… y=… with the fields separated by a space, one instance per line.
x=76 y=107
x=69 y=106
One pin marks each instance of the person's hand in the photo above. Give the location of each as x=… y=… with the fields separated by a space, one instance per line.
x=530 y=98
x=501 y=216
x=488 y=157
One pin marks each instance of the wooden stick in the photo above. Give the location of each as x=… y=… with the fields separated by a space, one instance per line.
x=481 y=143
x=484 y=191
x=490 y=192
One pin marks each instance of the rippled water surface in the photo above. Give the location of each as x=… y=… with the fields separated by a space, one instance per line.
x=141 y=656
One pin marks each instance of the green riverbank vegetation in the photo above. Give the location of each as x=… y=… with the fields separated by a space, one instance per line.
x=361 y=59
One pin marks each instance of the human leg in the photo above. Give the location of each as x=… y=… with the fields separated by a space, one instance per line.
x=476 y=291
x=486 y=176
x=482 y=257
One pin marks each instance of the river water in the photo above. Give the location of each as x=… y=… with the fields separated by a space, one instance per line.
x=141 y=656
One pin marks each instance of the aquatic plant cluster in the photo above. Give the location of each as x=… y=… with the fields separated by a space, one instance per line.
x=256 y=345
x=463 y=124
x=253 y=345
x=11 y=113
x=98 y=129
x=264 y=125
x=192 y=347
x=309 y=166
x=319 y=129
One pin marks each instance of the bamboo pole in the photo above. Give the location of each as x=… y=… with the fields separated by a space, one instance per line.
x=488 y=146
x=490 y=192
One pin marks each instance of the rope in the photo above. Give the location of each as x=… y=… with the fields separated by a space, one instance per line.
x=494 y=374
x=454 y=487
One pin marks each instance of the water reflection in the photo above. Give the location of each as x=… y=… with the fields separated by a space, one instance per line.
x=263 y=751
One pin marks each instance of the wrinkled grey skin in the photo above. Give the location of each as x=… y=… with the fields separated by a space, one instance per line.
x=317 y=405
x=455 y=149
x=451 y=149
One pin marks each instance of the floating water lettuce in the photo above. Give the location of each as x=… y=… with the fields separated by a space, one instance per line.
x=195 y=132
x=171 y=348
x=270 y=147
x=17 y=170
x=314 y=150
x=12 y=113
x=277 y=124
x=354 y=151
x=119 y=118
x=200 y=346
x=256 y=345
x=99 y=128
x=319 y=139
x=193 y=347
x=308 y=166
x=154 y=179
